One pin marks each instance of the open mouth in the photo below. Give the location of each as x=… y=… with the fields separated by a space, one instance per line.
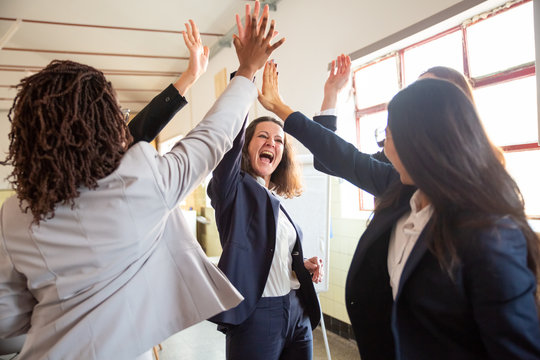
x=266 y=156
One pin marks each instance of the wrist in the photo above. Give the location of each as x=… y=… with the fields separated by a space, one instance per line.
x=282 y=111
x=184 y=82
x=246 y=71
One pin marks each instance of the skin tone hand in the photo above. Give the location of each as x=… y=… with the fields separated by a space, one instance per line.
x=198 y=58
x=269 y=96
x=243 y=30
x=315 y=268
x=253 y=53
x=340 y=74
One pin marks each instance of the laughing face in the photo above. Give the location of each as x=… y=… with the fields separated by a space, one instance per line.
x=266 y=149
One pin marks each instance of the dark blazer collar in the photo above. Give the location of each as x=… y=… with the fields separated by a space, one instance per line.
x=381 y=226
x=417 y=253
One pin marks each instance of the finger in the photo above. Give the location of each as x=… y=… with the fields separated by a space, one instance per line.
x=333 y=68
x=276 y=45
x=195 y=31
x=239 y=25
x=248 y=14
x=186 y=38
x=189 y=33
x=266 y=11
x=262 y=28
x=270 y=33
x=237 y=43
x=206 y=51
x=256 y=9
x=253 y=27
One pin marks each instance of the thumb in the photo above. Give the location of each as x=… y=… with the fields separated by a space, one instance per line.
x=237 y=43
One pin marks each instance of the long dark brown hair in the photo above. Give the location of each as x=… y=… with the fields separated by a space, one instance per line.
x=67 y=131
x=458 y=79
x=443 y=146
x=286 y=179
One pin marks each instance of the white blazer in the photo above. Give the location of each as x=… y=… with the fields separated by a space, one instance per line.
x=120 y=272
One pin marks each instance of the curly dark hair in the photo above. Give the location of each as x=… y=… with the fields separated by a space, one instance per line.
x=67 y=131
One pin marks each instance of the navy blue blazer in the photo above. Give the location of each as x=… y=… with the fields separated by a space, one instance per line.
x=246 y=217
x=487 y=311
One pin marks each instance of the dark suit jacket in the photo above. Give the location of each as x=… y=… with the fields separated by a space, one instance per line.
x=487 y=311
x=329 y=122
x=246 y=217
x=147 y=124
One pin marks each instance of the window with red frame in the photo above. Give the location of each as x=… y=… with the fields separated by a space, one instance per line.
x=495 y=51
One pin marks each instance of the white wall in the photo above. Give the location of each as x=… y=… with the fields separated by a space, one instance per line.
x=5 y=127
x=316 y=31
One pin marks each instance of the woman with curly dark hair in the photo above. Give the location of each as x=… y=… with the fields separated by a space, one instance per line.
x=94 y=231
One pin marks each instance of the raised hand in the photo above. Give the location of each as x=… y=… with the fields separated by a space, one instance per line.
x=198 y=58
x=255 y=49
x=243 y=30
x=339 y=76
x=315 y=268
x=269 y=96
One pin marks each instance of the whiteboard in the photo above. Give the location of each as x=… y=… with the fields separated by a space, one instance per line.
x=311 y=211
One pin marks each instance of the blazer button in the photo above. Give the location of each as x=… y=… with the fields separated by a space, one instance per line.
x=352 y=303
x=167 y=99
x=271 y=250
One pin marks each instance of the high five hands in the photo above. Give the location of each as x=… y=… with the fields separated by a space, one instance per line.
x=252 y=45
x=340 y=73
x=198 y=58
x=269 y=95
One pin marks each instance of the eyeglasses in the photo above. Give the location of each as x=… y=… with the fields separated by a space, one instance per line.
x=380 y=136
x=125 y=113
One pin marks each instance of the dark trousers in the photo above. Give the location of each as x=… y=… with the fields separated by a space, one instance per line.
x=278 y=329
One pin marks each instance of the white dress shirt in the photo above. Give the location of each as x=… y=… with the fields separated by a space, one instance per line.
x=281 y=278
x=403 y=238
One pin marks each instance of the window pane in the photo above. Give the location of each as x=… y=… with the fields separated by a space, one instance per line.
x=368 y=124
x=523 y=166
x=502 y=41
x=377 y=83
x=368 y=145
x=445 y=51
x=508 y=111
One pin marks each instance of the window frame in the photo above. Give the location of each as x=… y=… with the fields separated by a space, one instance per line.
x=500 y=77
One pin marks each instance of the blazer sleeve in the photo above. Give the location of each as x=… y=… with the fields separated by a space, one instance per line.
x=226 y=177
x=196 y=155
x=16 y=301
x=340 y=157
x=329 y=122
x=502 y=292
x=149 y=122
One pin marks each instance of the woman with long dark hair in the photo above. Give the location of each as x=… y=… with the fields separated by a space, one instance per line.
x=448 y=266
x=95 y=259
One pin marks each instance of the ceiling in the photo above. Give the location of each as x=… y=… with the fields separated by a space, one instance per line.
x=136 y=43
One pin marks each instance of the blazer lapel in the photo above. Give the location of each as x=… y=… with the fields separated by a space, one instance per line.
x=417 y=253
x=380 y=224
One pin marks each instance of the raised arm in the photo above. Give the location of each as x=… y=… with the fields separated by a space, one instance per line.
x=338 y=78
x=148 y=123
x=337 y=155
x=199 y=152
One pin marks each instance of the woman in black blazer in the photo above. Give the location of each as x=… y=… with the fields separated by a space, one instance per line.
x=262 y=251
x=450 y=220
